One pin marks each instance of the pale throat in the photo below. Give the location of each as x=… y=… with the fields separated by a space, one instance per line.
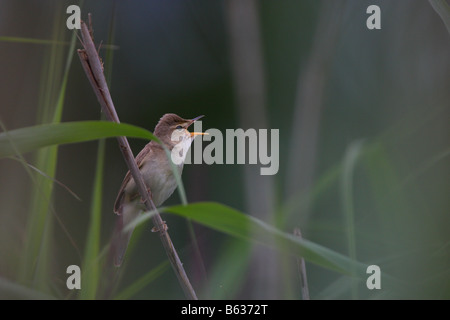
x=183 y=148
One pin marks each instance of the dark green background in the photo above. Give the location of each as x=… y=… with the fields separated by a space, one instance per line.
x=388 y=88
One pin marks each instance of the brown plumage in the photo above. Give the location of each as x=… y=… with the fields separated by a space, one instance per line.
x=157 y=173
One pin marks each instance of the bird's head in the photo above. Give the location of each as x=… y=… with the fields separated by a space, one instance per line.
x=172 y=129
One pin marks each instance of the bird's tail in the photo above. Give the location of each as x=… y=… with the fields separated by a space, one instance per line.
x=129 y=212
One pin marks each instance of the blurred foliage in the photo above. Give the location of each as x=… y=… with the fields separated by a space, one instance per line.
x=381 y=175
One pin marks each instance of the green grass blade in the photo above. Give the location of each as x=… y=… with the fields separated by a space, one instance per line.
x=33 y=41
x=183 y=197
x=24 y=40
x=143 y=281
x=36 y=264
x=27 y=165
x=349 y=164
x=91 y=279
x=62 y=92
x=443 y=9
x=91 y=269
x=392 y=207
x=226 y=279
x=180 y=188
x=296 y=203
x=232 y=222
x=12 y=290
x=36 y=137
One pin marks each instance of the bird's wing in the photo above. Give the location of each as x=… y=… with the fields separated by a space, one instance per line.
x=139 y=160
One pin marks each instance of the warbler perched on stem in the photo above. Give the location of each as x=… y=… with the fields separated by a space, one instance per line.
x=157 y=172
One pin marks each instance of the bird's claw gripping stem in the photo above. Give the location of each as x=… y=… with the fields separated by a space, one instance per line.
x=164 y=225
x=143 y=201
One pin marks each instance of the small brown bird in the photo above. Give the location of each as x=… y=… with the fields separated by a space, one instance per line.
x=157 y=173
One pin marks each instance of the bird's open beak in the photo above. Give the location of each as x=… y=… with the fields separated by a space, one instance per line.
x=196 y=118
x=193 y=134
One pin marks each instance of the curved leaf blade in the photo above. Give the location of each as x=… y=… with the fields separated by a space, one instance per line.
x=230 y=221
x=13 y=290
x=33 y=138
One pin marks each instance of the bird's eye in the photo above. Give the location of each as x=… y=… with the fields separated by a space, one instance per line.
x=179 y=127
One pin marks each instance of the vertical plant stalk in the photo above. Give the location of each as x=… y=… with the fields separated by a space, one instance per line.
x=92 y=270
x=309 y=103
x=443 y=10
x=92 y=276
x=94 y=71
x=349 y=165
x=37 y=250
x=302 y=270
x=246 y=51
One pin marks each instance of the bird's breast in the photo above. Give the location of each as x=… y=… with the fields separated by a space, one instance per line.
x=160 y=179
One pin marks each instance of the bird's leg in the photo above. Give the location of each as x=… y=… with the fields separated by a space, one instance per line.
x=150 y=195
x=164 y=225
